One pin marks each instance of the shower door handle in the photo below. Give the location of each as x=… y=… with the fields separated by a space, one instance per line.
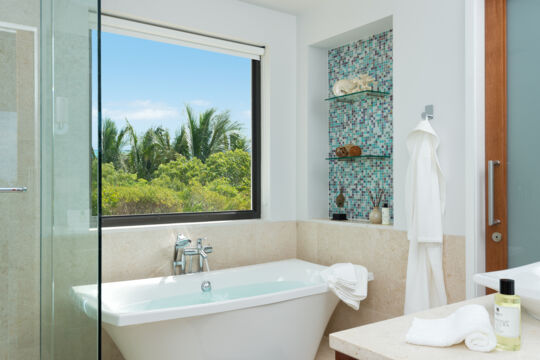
x=491 y=207
x=13 y=189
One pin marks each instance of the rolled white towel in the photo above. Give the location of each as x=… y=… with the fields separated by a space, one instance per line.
x=344 y=273
x=348 y=282
x=470 y=323
x=347 y=298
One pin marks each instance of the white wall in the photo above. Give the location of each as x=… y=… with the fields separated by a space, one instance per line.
x=475 y=144
x=429 y=68
x=243 y=22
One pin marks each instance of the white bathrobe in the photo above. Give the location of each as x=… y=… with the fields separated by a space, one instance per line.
x=424 y=201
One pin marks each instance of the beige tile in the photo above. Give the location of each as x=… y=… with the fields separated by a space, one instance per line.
x=454 y=267
x=275 y=241
x=19 y=213
x=4 y=294
x=148 y=253
x=136 y=255
x=233 y=245
x=306 y=241
x=345 y=317
x=20 y=12
x=384 y=252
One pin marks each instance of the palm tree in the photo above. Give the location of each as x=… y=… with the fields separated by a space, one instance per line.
x=238 y=141
x=113 y=141
x=148 y=152
x=206 y=134
x=134 y=156
x=164 y=149
x=181 y=143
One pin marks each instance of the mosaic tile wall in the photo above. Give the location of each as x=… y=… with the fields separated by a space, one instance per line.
x=367 y=123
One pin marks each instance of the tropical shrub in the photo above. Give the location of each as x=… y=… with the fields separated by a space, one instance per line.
x=205 y=167
x=181 y=185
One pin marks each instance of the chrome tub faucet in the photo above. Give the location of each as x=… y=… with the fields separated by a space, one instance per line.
x=183 y=249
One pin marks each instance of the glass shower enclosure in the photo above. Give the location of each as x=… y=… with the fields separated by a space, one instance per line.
x=48 y=178
x=19 y=182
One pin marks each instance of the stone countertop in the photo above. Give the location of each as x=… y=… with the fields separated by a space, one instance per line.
x=385 y=340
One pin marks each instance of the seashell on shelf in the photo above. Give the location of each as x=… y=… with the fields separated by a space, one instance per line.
x=341 y=151
x=348 y=147
x=344 y=87
x=364 y=82
x=355 y=151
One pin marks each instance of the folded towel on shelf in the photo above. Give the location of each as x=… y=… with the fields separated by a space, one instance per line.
x=348 y=282
x=470 y=323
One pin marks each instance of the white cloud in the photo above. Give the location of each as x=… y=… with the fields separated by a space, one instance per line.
x=138 y=103
x=141 y=110
x=200 y=102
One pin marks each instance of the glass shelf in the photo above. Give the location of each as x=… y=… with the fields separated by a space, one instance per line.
x=357 y=96
x=351 y=158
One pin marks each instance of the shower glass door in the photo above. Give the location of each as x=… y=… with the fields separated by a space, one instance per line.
x=70 y=235
x=19 y=180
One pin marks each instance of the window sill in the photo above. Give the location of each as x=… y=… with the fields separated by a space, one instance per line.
x=359 y=223
x=151 y=227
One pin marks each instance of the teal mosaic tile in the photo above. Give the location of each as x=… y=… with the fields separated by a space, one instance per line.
x=367 y=124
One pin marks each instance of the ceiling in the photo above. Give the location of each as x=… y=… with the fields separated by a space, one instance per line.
x=294 y=7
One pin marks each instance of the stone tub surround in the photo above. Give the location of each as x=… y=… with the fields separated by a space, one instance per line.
x=384 y=251
x=386 y=340
x=146 y=251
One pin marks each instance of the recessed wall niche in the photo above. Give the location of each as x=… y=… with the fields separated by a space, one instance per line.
x=365 y=122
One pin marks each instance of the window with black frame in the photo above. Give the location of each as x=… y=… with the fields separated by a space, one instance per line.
x=180 y=127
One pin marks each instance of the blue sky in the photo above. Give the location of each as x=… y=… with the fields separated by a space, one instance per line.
x=150 y=82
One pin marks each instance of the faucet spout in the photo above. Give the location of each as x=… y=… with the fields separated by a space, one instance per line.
x=179 y=246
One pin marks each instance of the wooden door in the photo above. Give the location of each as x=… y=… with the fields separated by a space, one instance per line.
x=496 y=134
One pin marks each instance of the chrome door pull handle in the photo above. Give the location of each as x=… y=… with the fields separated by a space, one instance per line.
x=491 y=217
x=13 y=189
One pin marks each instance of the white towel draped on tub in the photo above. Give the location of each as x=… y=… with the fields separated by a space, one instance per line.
x=348 y=282
x=424 y=201
x=470 y=323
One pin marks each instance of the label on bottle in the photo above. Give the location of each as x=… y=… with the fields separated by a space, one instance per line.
x=507 y=321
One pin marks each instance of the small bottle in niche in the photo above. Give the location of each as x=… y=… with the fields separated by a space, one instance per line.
x=507 y=313
x=385 y=215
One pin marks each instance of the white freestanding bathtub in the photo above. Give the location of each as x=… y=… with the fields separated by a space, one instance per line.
x=272 y=311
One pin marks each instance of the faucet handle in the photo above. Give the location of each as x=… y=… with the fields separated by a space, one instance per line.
x=208 y=249
x=191 y=252
x=182 y=241
x=200 y=241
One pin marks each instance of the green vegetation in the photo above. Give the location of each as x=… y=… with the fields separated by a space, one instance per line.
x=205 y=167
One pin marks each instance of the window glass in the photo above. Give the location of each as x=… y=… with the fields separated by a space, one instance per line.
x=176 y=129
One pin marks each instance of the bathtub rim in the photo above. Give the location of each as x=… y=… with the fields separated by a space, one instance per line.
x=86 y=298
